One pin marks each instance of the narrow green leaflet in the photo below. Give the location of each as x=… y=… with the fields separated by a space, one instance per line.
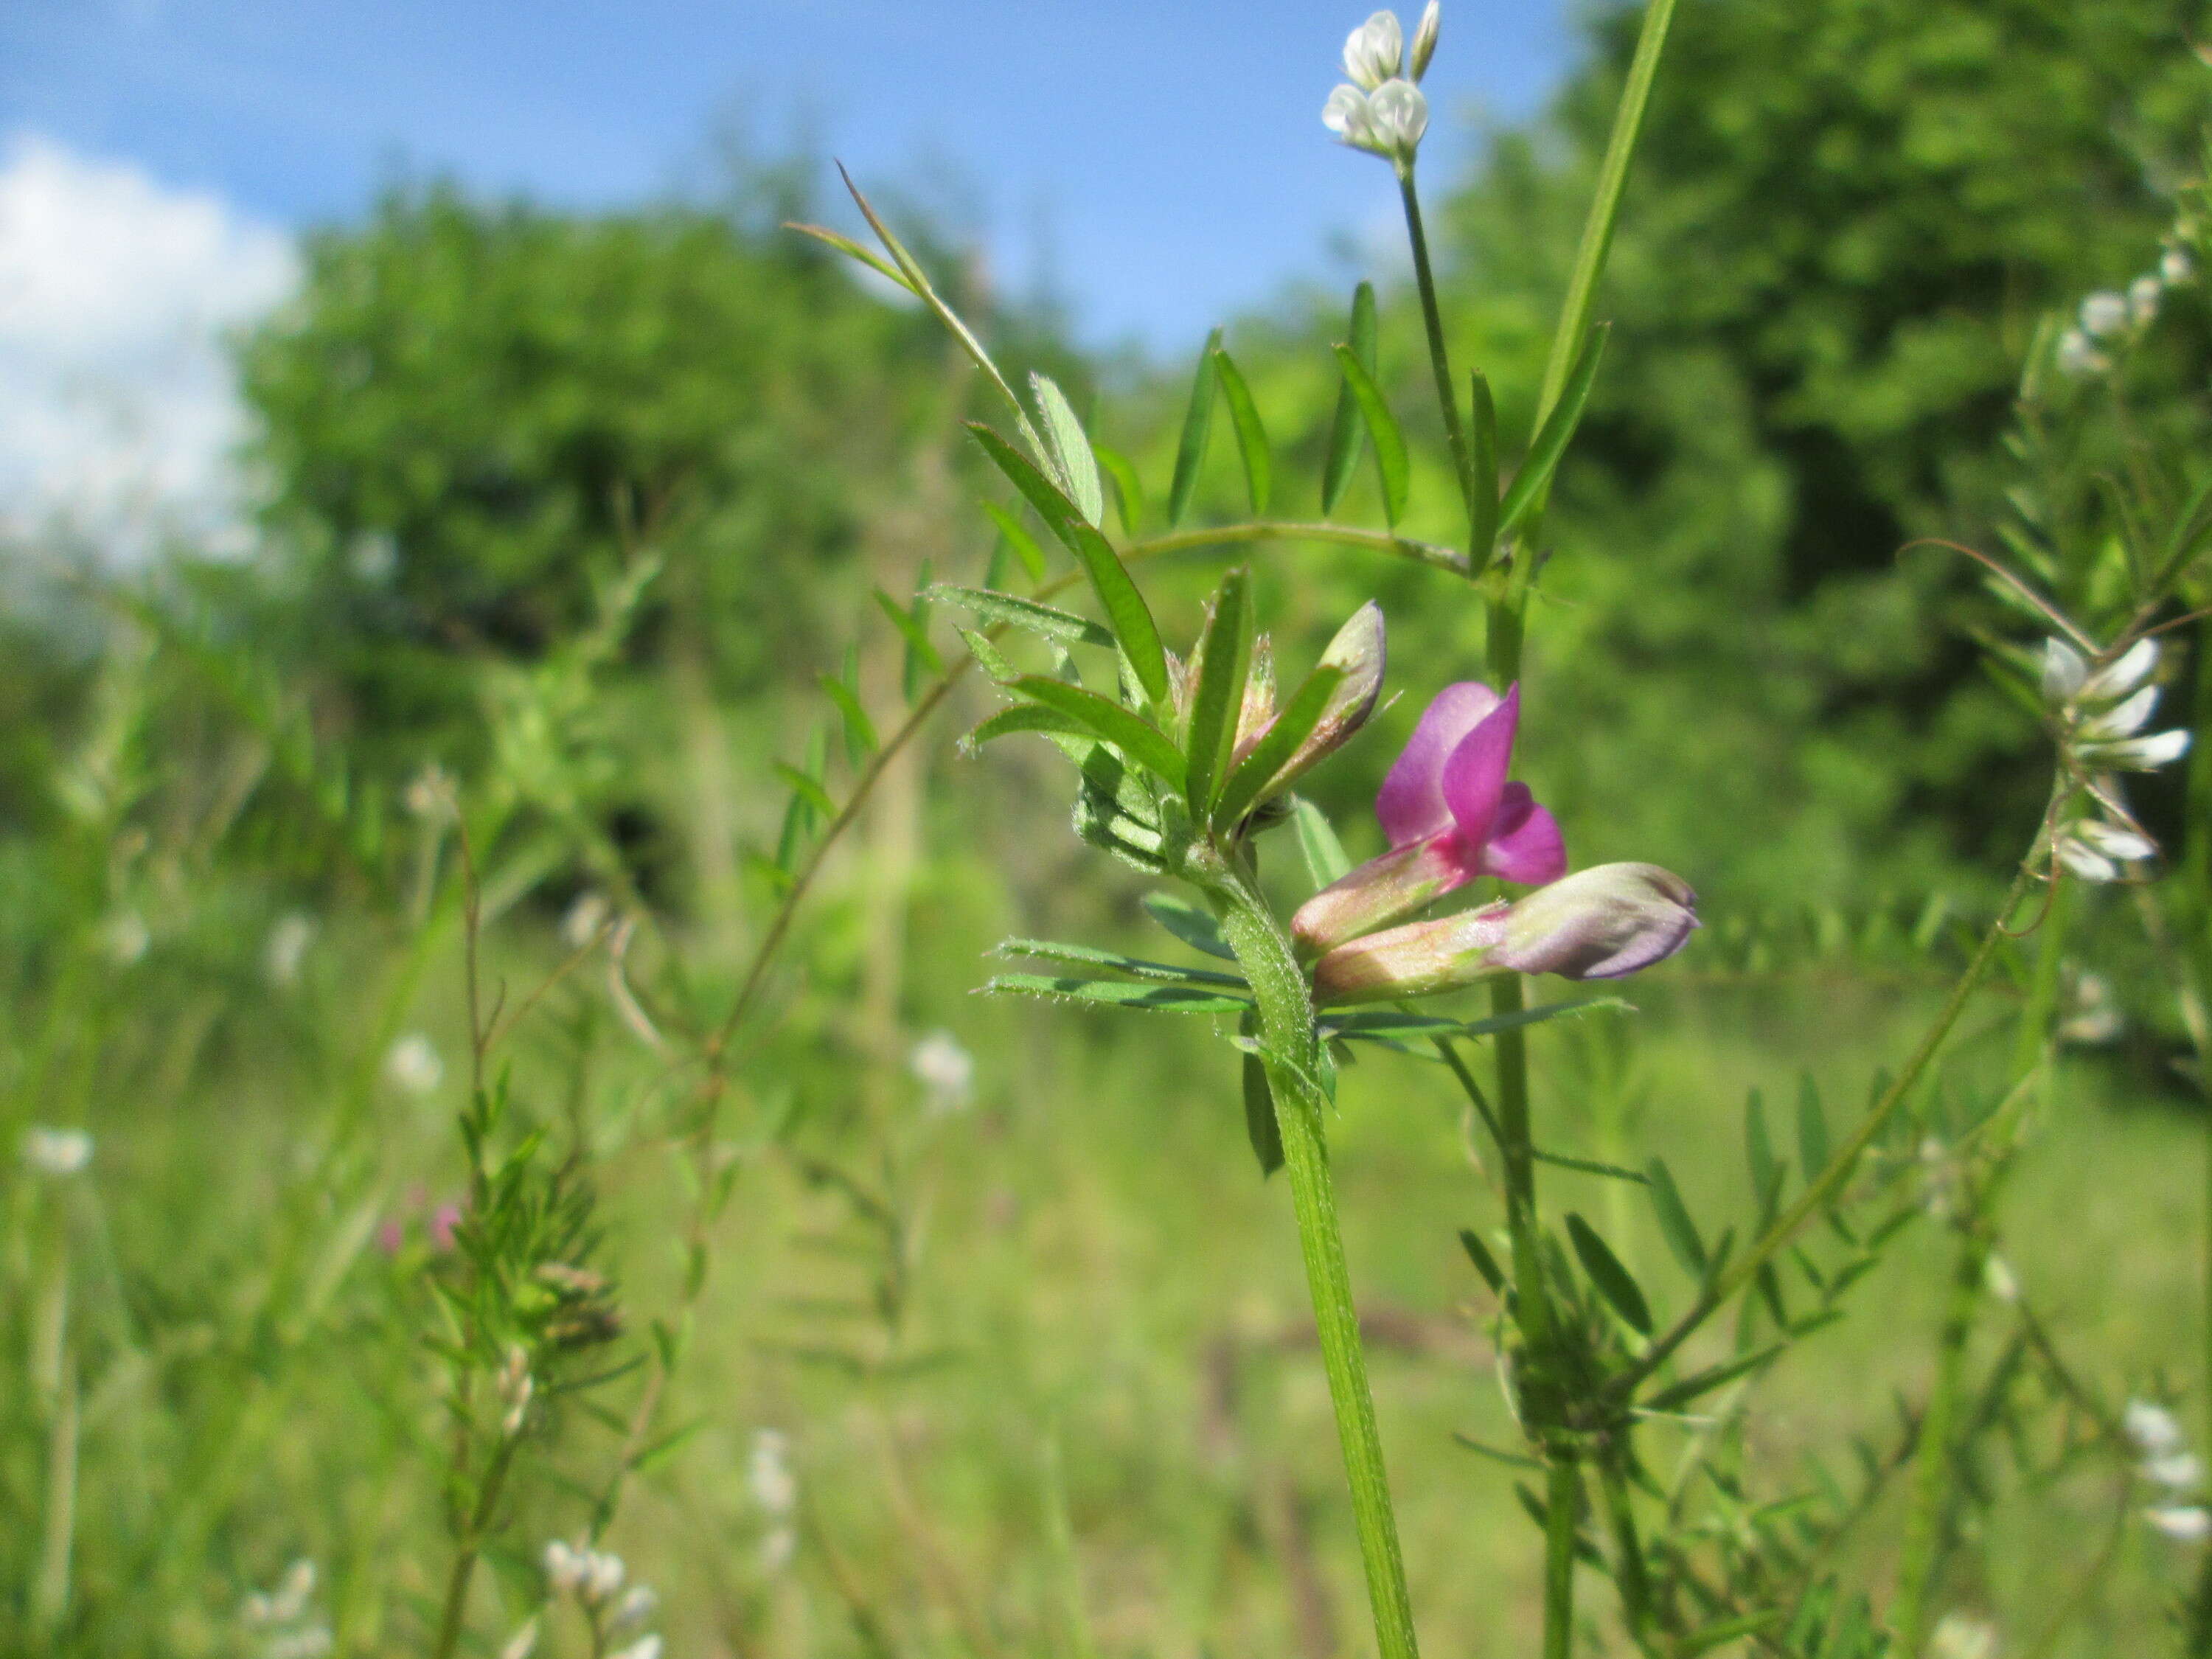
x=913 y=629
x=1289 y=728
x=1324 y=854
x=1543 y=1011
x=1614 y=1281
x=1758 y=1150
x=859 y=730
x=1346 y=429
x=1225 y=662
x=1194 y=926
x=988 y=657
x=1089 y=956
x=1679 y=1395
x=1126 y=610
x=1812 y=1129
x=1483 y=530
x=1118 y=993
x=1392 y=464
x=808 y=789
x=1011 y=722
x=1070 y=449
x=1133 y=735
x=1530 y=483
x=1054 y=624
x=1251 y=436
x=1484 y=1263
x=1129 y=490
x=1260 y=1125
x=1197 y=427
x=1016 y=536
x=1729 y=1629
x=1675 y=1224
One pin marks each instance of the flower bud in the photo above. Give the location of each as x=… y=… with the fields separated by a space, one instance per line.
x=1599 y=923
x=1374 y=52
x=1417 y=960
x=2078 y=358
x=1358 y=653
x=1425 y=40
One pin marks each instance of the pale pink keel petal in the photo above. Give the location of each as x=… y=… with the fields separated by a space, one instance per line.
x=1525 y=845
x=1411 y=806
x=1475 y=775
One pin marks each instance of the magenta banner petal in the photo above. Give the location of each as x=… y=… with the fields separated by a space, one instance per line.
x=1525 y=845
x=1474 y=773
x=1411 y=806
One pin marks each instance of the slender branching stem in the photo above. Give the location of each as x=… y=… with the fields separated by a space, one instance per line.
x=1433 y=322
x=453 y=1614
x=1631 y=1577
x=1292 y=1053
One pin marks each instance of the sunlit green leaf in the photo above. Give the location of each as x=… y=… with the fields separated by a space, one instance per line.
x=1129 y=490
x=1251 y=436
x=1324 y=854
x=1089 y=956
x=1224 y=663
x=1065 y=442
x=1392 y=464
x=1196 y=928
x=1483 y=528
x=815 y=795
x=1119 y=993
x=1292 y=725
x=1346 y=430
x=1133 y=735
x=859 y=730
x=1055 y=624
x=1197 y=427
x=1028 y=718
x=1260 y=1128
x=1126 y=610
x=1484 y=1263
x=911 y=628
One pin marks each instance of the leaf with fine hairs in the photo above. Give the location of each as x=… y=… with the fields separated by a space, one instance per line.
x=1346 y=429
x=1392 y=462
x=1197 y=426
x=1251 y=436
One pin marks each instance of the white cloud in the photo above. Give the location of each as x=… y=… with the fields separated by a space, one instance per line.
x=118 y=409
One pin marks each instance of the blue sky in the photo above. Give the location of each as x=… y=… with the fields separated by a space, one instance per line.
x=1167 y=163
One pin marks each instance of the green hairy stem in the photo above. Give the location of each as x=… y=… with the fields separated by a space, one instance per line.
x=1291 y=1054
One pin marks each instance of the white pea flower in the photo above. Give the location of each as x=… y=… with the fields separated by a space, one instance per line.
x=414 y=1065
x=287 y=948
x=2143 y=296
x=1400 y=113
x=2101 y=714
x=1425 y=40
x=603 y=1576
x=2155 y=1430
x=2093 y=1015
x=2178 y=1472
x=2187 y=1523
x=1347 y=114
x=2103 y=315
x=2123 y=673
x=1375 y=51
x=2078 y=358
x=56 y=1151
x=2175 y=267
x=946 y=1073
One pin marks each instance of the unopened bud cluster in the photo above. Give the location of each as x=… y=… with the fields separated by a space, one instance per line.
x=1381 y=108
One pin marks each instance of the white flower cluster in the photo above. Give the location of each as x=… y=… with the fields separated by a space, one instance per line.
x=2169 y=1464
x=2110 y=317
x=946 y=1071
x=1382 y=108
x=283 y=1619
x=2100 y=712
x=594 y=1578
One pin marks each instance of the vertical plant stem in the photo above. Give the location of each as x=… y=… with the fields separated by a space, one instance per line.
x=1563 y=1496
x=60 y=1542
x=1630 y=1577
x=453 y=1614
x=1292 y=1055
